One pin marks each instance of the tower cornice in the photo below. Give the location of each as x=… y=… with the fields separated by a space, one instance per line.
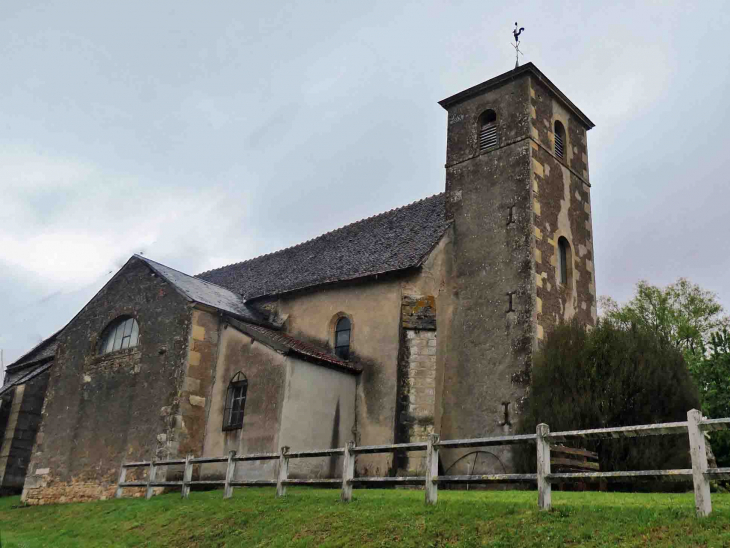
x=497 y=81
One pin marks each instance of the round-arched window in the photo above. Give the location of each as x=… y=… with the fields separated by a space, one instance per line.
x=121 y=333
x=564 y=259
x=488 y=137
x=342 y=338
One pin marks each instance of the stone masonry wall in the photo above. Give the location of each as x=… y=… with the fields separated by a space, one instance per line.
x=416 y=378
x=561 y=208
x=490 y=338
x=17 y=445
x=102 y=409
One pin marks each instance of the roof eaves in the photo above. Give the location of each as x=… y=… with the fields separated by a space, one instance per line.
x=290 y=345
x=27 y=377
x=527 y=68
x=17 y=365
x=334 y=281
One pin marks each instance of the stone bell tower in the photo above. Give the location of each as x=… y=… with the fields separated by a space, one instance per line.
x=518 y=191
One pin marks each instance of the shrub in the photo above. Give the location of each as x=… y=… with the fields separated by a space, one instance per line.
x=611 y=376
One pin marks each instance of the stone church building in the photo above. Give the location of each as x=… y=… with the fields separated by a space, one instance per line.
x=421 y=319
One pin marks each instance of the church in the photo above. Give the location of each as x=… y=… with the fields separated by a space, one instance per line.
x=421 y=319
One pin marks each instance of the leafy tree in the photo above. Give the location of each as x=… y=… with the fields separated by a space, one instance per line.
x=683 y=313
x=712 y=375
x=693 y=320
x=612 y=375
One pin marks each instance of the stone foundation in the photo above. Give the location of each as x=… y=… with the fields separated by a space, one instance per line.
x=43 y=489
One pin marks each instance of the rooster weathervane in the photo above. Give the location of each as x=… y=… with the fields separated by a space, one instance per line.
x=516 y=45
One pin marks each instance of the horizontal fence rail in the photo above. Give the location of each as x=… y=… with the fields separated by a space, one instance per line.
x=544 y=440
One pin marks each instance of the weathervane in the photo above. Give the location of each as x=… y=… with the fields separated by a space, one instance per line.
x=516 y=45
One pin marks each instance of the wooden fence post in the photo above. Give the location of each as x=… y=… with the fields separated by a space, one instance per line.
x=703 y=503
x=283 y=472
x=187 y=476
x=432 y=469
x=544 y=497
x=150 y=478
x=230 y=470
x=348 y=472
x=122 y=478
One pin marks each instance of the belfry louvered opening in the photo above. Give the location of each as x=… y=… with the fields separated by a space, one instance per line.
x=488 y=136
x=559 y=140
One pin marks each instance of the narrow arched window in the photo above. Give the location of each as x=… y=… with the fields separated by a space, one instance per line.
x=563 y=259
x=121 y=333
x=342 y=338
x=559 y=139
x=488 y=137
x=235 y=402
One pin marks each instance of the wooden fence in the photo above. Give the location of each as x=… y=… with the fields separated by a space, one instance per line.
x=695 y=426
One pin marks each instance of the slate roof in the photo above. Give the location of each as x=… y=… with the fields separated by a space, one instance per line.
x=25 y=376
x=201 y=291
x=44 y=350
x=286 y=343
x=395 y=240
x=31 y=364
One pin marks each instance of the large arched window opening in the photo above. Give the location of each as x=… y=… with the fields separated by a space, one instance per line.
x=343 y=329
x=235 y=402
x=564 y=260
x=559 y=139
x=120 y=334
x=488 y=137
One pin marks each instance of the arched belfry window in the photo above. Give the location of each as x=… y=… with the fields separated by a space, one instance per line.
x=235 y=402
x=343 y=329
x=121 y=333
x=564 y=259
x=559 y=140
x=488 y=137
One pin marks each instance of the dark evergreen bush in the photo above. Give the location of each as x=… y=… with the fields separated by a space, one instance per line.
x=611 y=376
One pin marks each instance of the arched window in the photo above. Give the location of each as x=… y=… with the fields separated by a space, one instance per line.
x=342 y=338
x=564 y=259
x=559 y=139
x=235 y=402
x=121 y=333
x=488 y=130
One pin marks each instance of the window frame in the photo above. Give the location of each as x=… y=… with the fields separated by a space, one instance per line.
x=564 y=259
x=235 y=404
x=124 y=329
x=336 y=347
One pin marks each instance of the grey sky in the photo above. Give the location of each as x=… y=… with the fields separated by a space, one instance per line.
x=208 y=133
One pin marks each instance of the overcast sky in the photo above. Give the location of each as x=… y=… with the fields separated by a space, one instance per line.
x=206 y=133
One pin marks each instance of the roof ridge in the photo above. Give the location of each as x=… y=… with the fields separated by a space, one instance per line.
x=318 y=237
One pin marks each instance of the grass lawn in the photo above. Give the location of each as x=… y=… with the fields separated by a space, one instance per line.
x=309 y=517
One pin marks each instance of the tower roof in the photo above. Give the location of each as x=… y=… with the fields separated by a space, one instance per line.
x=527 y=68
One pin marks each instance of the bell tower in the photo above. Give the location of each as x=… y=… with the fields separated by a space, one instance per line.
x=518 y=192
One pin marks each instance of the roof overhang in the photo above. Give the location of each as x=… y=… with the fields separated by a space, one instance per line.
x=497 y=81
x=288 y=345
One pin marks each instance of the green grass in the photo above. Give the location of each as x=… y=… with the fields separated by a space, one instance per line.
x=308 y=517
